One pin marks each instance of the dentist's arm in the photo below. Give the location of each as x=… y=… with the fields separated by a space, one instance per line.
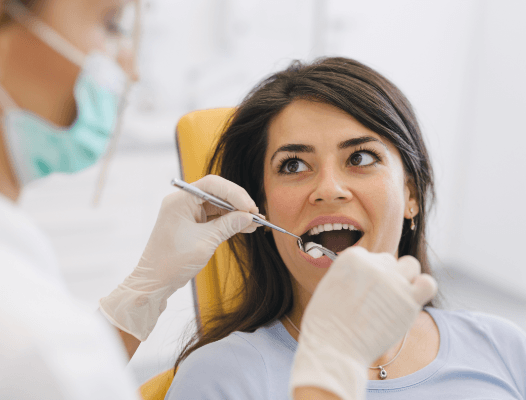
x=314 y=393
x=363 y=305
x=183 y=240
x=131 y=343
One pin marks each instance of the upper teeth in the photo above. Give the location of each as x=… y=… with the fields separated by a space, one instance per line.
x=330 y=227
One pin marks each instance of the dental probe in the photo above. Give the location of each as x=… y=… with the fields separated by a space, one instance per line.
x=227 y=206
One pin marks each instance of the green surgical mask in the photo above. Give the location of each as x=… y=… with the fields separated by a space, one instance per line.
x=38 y=148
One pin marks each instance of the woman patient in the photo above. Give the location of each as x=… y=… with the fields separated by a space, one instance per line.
x=332 y=152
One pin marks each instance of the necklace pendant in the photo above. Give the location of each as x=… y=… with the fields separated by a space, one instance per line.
x=383 y=373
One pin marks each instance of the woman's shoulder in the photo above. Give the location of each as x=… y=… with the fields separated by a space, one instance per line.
x=271 y=337
x=479 y=329
x=485 y=341
x=490 y=324
x=238 y=364
x=255 y=346
x=227 y=355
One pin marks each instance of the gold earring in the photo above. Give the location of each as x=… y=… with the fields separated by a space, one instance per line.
x=413 y=225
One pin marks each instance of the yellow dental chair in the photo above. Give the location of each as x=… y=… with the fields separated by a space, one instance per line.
x=196 y=135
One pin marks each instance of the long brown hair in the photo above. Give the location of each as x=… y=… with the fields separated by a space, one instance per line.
x=266 y=292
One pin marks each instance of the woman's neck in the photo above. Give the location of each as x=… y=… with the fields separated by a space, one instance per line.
x=301 y=299
x=424 y=323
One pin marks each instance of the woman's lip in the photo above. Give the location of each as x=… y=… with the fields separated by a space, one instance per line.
x=323 y=261
x=332 y=219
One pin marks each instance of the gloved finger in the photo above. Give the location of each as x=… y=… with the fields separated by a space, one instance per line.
x=228 y=225
x=228 y=191
x=385 y=260
x=352 y=255
x=349 y=260
x=409 y=267
x=254 y=225
x=424 y=288
x=212 y=211
x=251 y=228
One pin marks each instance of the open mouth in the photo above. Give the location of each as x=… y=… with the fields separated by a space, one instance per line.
x=336 y=237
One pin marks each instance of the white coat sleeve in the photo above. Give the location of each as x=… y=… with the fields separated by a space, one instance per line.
x=52 y=347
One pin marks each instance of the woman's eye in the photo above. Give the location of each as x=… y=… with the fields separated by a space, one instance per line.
x=294 y=166
x=362 y=159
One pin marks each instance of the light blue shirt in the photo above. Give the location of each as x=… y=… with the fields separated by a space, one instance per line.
x=480 y=357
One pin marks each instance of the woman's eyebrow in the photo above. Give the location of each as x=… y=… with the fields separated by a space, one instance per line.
x=305 y=148
x=294 y=148
x=359 y=140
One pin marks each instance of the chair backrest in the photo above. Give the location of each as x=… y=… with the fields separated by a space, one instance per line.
x=157 y=387
x=196 y=135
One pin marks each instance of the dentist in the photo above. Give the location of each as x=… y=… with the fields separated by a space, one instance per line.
x=65 y=68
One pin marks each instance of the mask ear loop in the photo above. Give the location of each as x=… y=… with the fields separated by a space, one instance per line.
x=108 y=157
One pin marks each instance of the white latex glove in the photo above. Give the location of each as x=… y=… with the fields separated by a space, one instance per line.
x=363 y=305
x=181 y=244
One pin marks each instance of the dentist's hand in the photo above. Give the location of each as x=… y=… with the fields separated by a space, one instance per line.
x=363 y=305
x=186 y=235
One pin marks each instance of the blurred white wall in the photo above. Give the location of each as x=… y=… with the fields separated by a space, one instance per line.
x=461 y=64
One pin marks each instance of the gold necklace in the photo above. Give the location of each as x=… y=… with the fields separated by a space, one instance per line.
x=383 y=373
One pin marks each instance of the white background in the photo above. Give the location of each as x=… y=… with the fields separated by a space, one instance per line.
x=461 y=63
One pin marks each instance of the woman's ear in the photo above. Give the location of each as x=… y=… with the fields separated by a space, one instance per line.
x=411 y=199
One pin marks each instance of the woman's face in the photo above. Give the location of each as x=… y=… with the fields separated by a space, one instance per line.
x=324 y=170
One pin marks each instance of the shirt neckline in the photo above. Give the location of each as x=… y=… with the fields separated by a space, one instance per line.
x=284 y=334
x=425 y=373
x=405 y=381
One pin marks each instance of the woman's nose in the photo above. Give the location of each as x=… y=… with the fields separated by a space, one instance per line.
x=330 y=187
